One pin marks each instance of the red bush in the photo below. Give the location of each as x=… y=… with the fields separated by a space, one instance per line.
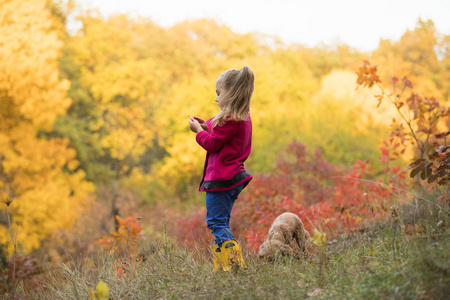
x=19 y=268
x=191 y=231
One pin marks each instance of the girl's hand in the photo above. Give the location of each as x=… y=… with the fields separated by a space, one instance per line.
x=194 y=125
x=202 y=123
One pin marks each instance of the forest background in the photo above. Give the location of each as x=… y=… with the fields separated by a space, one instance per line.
x=93 y=124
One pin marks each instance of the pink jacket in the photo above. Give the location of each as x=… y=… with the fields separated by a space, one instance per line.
x=227 y=147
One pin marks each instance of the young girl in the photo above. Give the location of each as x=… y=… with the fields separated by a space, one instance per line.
x=227 y=139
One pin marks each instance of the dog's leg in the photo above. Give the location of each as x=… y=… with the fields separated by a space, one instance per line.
x=300 y=238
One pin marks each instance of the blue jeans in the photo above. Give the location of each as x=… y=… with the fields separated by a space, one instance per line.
x=218 y=212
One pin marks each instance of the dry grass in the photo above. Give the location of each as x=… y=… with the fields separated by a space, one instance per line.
x=386 y=262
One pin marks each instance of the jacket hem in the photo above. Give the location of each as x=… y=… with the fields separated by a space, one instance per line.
x=224 y=185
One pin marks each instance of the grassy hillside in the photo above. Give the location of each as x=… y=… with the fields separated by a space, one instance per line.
x=405 y=257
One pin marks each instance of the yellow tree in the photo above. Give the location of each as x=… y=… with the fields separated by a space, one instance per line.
x=211 y=48
x=121 y=69
x=341 y=118
x=132 y=81
x=38 y=174
x=445 y=63
x=181 y=169
x=415 y=56
x=283 y=85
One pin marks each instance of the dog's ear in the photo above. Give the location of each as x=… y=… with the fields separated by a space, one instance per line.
x=264 y=250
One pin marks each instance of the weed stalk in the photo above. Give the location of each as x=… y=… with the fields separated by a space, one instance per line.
x=8 y=202
x=166 y=247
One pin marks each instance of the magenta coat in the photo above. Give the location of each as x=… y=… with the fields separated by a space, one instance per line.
x=227 y=147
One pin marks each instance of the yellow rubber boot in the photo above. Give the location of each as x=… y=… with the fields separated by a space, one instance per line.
x=217 y=258
x=231 y=255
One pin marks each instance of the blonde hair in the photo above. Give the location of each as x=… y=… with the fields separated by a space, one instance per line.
x=238 y=85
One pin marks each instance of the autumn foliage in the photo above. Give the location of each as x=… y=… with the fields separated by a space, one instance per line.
x=423 y=119
x=18 y=269
x=40 y=174
x=329 y=199
x=93 y=127
x=124 y=243
x=126 y=237
x=95 y=117
x=335 y=201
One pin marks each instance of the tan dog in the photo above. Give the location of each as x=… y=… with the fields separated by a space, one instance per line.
x=283 y=231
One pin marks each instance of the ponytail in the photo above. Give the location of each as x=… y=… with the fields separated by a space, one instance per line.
x=239 y=85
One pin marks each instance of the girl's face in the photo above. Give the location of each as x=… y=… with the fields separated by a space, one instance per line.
x=220 y=91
